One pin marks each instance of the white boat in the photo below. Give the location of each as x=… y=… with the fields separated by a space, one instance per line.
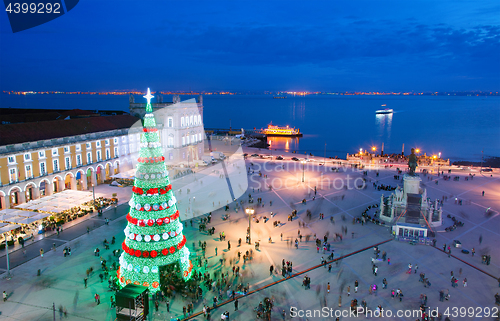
x=384 y=111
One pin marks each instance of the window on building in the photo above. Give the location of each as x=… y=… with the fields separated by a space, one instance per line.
x=183 y=141
x=41 y=154
x=11 y=159
x=124 y=138
x=89 y=158
x=108 y=156
x=183 y=155
x=66 y=149
x=56 y=165
x=78 y=148
x=115 y=140
x=54 y=152
x=170 y=142
x=193 y=139
x=98 y=143
x=191 y=120
x=170 y=122
x=98 y=156
x=78 y=160
x=88 y=145
x=43 y=169
x=107 y=142
x=199 y=137
x=187 y=139
x=29 y=172
x=199 y=119
x=182 y=121
x=171 y=155
x=116 y=152
x=13 y=175
x=67 y=162
x=27 y=156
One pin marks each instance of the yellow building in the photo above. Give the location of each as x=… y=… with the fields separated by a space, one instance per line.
x=38 y=158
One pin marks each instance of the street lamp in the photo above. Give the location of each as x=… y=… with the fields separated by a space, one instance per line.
x=417 y=151
x=303 y=178
x=374 y=148
x=93 y=193
x=249 y=212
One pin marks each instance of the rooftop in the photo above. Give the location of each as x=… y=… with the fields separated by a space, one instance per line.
x=35 y=131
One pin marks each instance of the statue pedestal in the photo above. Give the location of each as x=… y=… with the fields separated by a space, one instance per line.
x=411 y=184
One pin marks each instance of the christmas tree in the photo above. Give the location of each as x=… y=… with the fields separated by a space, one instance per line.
x=153 y=236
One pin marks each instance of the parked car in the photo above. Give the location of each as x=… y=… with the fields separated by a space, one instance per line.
x=279 y=157
x=255 y=155
x=295 y=159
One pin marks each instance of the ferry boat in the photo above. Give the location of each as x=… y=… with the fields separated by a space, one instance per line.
x=384 y=111
x=287 y=131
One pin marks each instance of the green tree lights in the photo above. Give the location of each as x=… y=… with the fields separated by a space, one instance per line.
x=153 y=236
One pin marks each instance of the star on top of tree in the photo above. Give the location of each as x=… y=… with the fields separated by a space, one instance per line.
x=148 y=96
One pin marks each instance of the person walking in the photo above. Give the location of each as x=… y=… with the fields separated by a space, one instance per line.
x=271 y=269
x=168 y=305
x=236 y=305
x=85 y=282
x=97 y=299
x=215 y=251
x=4 y=296
x=473 y=252
x=349 y=290
x=229 y=245
x=41 y=252
x=340 y=301
x=328 y=287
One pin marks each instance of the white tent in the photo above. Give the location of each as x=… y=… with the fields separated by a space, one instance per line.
x=8 y=228
x=130 y=174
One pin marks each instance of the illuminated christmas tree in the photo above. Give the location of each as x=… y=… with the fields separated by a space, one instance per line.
x=153 y=236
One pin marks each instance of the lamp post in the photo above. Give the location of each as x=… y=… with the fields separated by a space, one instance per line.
x=93 y=193
x=249 y=212
x=303 y=178
x=6 y=235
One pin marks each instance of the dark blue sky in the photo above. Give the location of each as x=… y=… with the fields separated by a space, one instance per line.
x=258 y=45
